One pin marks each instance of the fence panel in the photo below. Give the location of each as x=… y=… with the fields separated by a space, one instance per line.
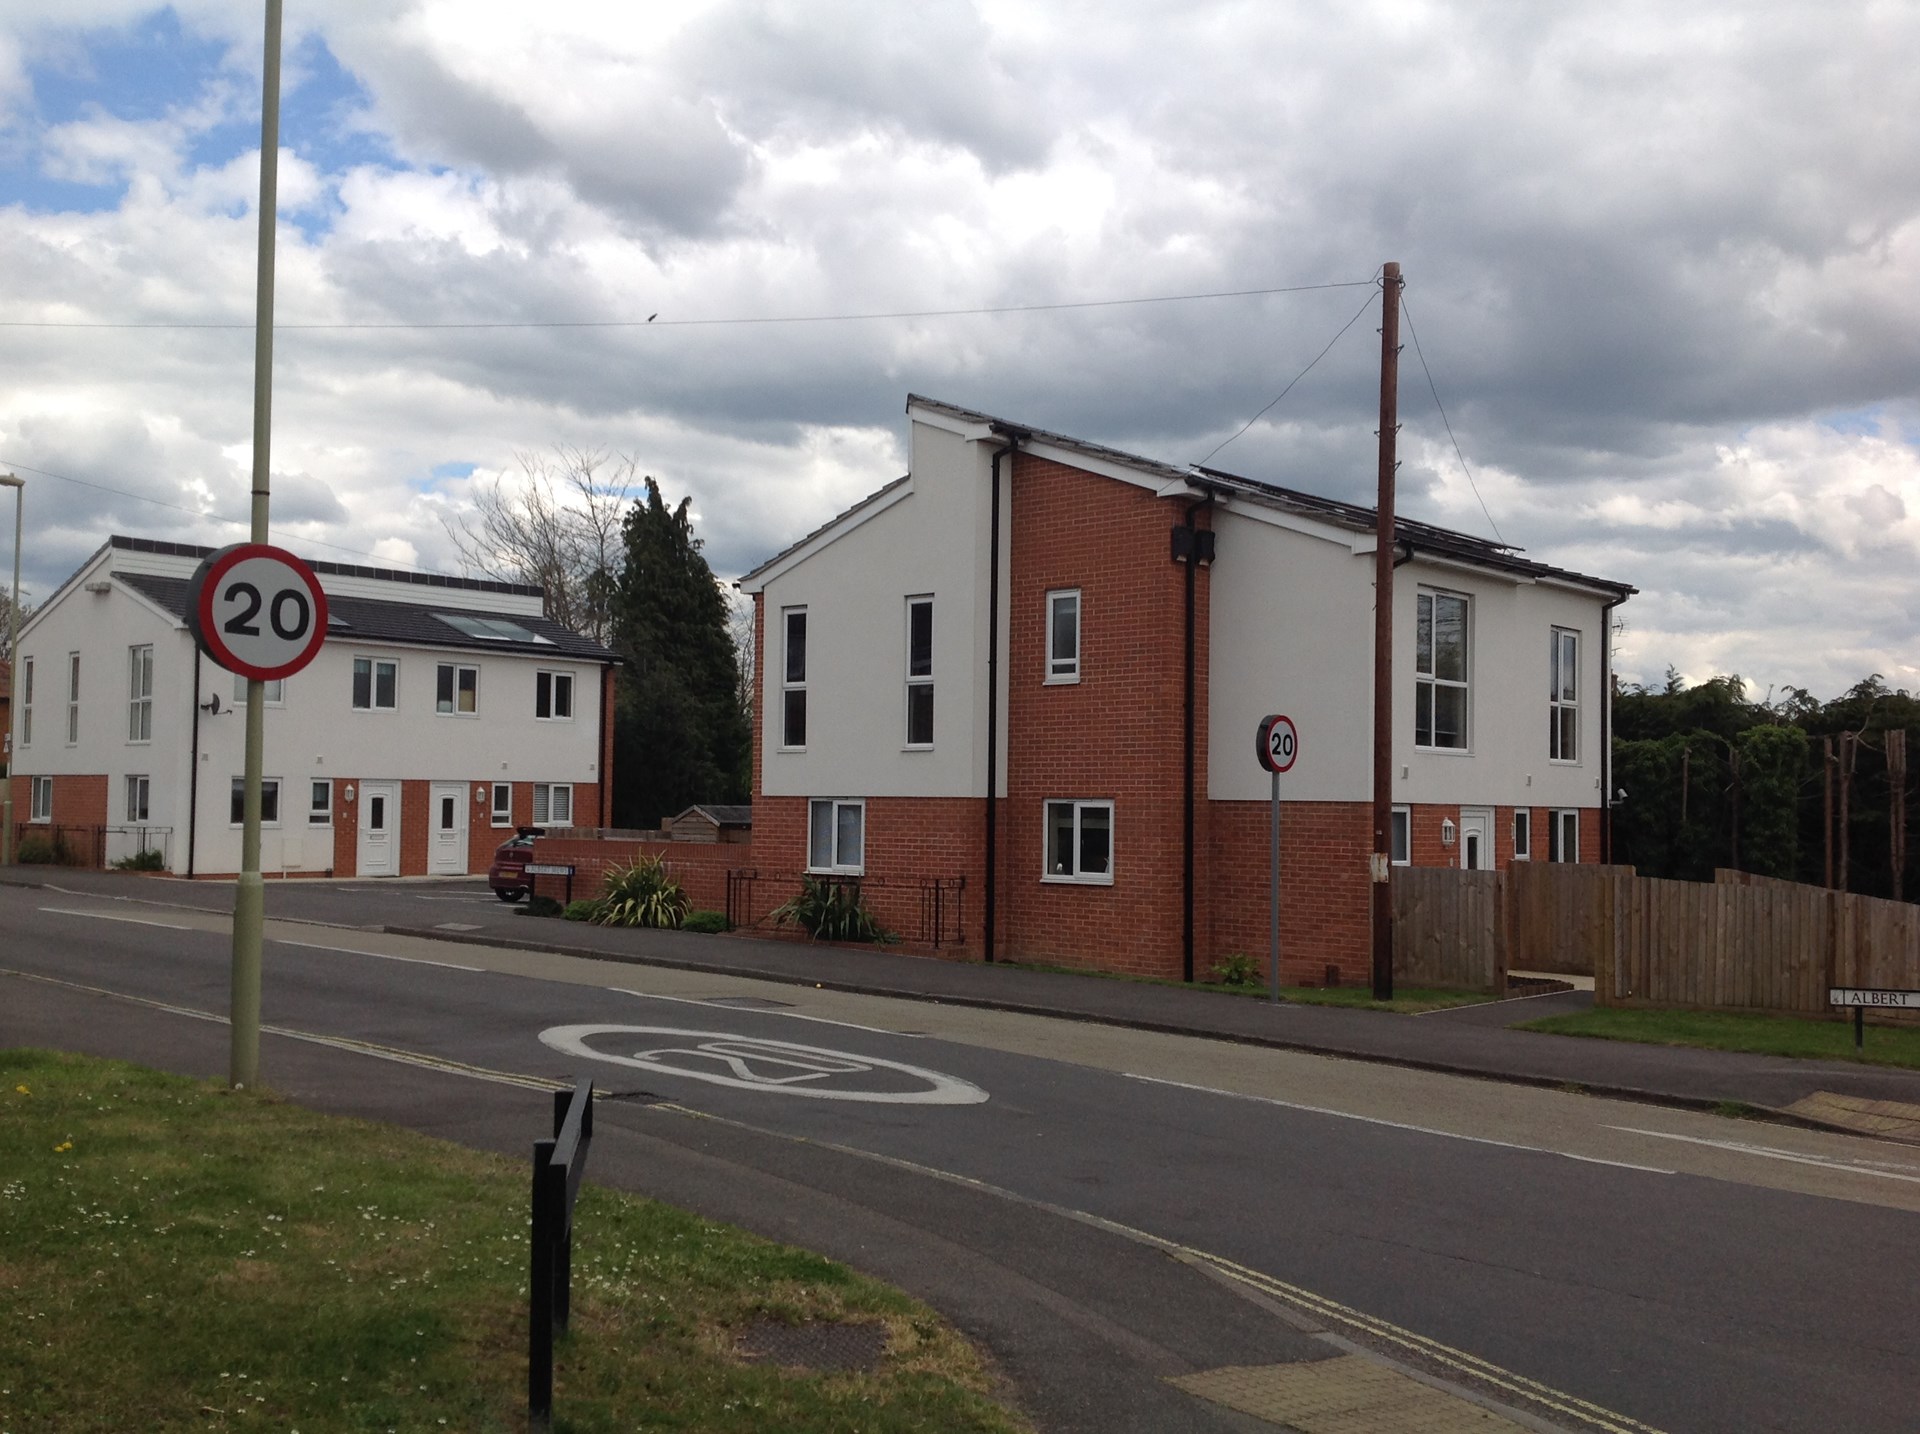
x=1561 y=915
x=1450 y=928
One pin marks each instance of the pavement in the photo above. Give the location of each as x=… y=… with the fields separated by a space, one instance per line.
x=1477 y=1041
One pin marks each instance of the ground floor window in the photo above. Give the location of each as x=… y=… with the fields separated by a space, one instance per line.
x=1522 y=834
x=138 y=790
x=1563 y=836
x=320 y=802
x=40 y=800
x=1079 y=842
x=269 y=802
x=552 y=804
x=503 y=804
x=836 y=835
x=1400 y=837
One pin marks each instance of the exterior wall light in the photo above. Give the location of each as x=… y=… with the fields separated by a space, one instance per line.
x=1446 y=832
x=348 y=793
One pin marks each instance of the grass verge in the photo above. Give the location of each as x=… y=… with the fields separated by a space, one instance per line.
x=176 y=1256
x=1406 y=999
x=1740 y=1031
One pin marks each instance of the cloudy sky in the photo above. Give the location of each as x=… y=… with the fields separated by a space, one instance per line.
x=1661 y=262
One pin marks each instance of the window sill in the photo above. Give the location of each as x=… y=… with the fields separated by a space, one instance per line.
x=836 y=871
x=918 y=747
x=778 y=750
x=1067 y=681
x=564 y=721
x=1077 y=880
x=1443 y=751
x=1563 y=761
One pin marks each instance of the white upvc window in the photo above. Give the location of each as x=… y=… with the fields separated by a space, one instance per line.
x=139 y=791
x=1441 y=672
x=1563 y=835
x=73 y=699
x=26 y=701
x=269 y=802
x=1563 y=709
x=456 y=690
x=553 y=696
x=1522 y=834
x=552 y=804
x=376 y=684
x=1063 y=636
x=320 y=802
x=273 y=694
x=1079 y=842
x=40 y=800
x=1400 y=837
x=837 y=835
x=793 y=677
x=503 y=804
x=140 y=693
x=919 y=672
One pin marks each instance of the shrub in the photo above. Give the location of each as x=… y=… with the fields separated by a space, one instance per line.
x=706 y=921
x=643 y=895
x=831 y=911
x=148 y=860
x=39 y=851
x=1236 y=968
x=541 y=906
x=582 y=911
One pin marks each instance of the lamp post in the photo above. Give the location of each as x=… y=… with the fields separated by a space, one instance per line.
x=9 y=480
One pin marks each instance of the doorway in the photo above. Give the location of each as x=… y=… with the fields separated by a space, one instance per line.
x=447 y=851
x=1476 y=839
x=378 y=850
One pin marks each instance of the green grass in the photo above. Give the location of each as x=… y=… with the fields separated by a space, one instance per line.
x=176 y=1256
x=1740 y=1031
x=1406 y=999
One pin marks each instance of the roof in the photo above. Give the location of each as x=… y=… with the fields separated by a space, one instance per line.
x=721 y=816
x=417 y=624
x=347 y=570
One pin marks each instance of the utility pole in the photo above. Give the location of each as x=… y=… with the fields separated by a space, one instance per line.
x=1826 y=805
x=15 y=482
x=1897 y=808
x=250 y=896
x=1382 y=864
x=1848 y=750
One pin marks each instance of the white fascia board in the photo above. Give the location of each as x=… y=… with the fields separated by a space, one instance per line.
x=1292 y=522
x=1479 y=570
x=1073 y=458
x=1564 y=585
x=824 y=538
x=1180 y=488
x=933 y=418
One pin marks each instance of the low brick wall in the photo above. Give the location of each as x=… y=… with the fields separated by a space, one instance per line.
x=700 y=867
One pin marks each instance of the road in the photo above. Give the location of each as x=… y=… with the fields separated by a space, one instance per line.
x=1107 y=1209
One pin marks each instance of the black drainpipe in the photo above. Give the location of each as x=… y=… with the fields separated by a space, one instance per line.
x=1013 y=437
x=1606 y=728
x=193 y=767
x=1192 y=547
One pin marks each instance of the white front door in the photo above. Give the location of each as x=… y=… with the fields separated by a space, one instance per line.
x=379 y=845
x=1476 y=839
x=447 y=853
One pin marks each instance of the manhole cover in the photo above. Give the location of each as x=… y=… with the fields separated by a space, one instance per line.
x=748 y=1003
x=855 y=1347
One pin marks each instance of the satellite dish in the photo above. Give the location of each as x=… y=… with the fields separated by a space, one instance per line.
x=212 y=705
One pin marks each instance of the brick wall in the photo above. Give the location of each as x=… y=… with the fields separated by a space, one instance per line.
x=1325 y=919
x=700 y=867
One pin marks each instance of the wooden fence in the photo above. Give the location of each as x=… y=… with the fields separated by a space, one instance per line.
x=1450 y=928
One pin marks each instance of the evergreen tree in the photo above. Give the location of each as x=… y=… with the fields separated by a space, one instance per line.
x=680 y=733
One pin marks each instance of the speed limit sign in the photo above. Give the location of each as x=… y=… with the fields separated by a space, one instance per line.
x=1279 y=743
x=257 y=610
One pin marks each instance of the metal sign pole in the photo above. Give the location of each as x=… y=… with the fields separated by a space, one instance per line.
x=1273 y=889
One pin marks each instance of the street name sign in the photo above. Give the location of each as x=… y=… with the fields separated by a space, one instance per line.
x=1868 y=996
x=257 y=610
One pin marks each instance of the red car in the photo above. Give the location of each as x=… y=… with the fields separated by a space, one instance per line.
x=508 y=874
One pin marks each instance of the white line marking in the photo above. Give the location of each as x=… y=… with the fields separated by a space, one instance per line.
x=1503 y=1001
x=747 y=1010
x=129 y=920
x=1768 y=1152
x=1397 y=1124
x=377 y=955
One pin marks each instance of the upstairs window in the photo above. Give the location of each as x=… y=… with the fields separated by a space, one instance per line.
x=553 y=696
x=836 y=836
x=1563 y=711
x=793 y=694
x=376 y=684
x=1063 y=636
x=26 y=701
x=920 y=672
x=1080 y=842
x=1440 y=672
x=456 y=690
x=73 y=698
x=140 y=694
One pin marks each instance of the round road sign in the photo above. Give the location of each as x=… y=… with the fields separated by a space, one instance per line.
x=257 y=610
x=1279 y=743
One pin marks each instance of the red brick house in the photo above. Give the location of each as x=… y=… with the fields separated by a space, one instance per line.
x=1092 y=638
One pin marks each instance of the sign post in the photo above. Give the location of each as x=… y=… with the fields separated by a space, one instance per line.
x=1858 y=998
x=1278 y=745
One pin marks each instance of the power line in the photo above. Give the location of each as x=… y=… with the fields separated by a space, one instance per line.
x=1431 y=388
x=705 y=323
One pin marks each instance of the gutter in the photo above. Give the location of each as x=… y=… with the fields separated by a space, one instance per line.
x=1192 y=546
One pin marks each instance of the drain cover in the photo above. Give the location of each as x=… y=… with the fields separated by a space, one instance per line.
x=748 y=1003
x=857 y=1347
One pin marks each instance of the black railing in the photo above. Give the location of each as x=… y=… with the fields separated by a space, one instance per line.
x=558 y=1165
x=934 y=907
x=61 y=845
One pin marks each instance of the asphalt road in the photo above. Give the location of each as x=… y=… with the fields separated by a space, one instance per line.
x=1033 y=1177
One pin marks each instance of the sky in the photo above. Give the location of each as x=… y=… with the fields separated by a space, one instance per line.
x=1662 y=317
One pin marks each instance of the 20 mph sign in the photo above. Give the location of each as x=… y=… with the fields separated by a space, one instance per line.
x=257 y=610
x=1279 y=743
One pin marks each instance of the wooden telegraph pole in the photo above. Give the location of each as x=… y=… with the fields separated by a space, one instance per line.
x=1382 y=864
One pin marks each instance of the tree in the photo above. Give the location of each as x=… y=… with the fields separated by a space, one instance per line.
x=681 y=734
x=559 y=529
x=6 y=624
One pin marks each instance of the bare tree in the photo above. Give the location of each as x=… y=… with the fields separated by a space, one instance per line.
x=6 y=626
x=559 y=529
x=741 y=627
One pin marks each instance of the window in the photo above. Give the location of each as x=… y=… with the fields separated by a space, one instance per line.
x=1563 y=836
x=503 y=804
x=1063 y=636
x=275 y=694
x=140 y=694
x=40 y=800
x=1440 y=673
x=553 y=696
x=26 y=701
x=1522 y=834
x=1563 y=712
x=793 y=697
x=552 y=805
x=73 y=698
x=320 y=803
x=1079 y=842
x=138 y=791
x=920 y=672
x=456 y=690
x=836 y=836
x=1400 y=837
x=269 y=802
x=376 y=684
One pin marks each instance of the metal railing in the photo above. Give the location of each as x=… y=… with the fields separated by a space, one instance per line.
x=928 y=910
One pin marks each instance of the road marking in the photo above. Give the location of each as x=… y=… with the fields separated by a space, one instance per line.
x=790 y=1015
x=129 y=920
x=1399 y=1124
x=755 y=1063
x=1769 y=1152
x=377 y=955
